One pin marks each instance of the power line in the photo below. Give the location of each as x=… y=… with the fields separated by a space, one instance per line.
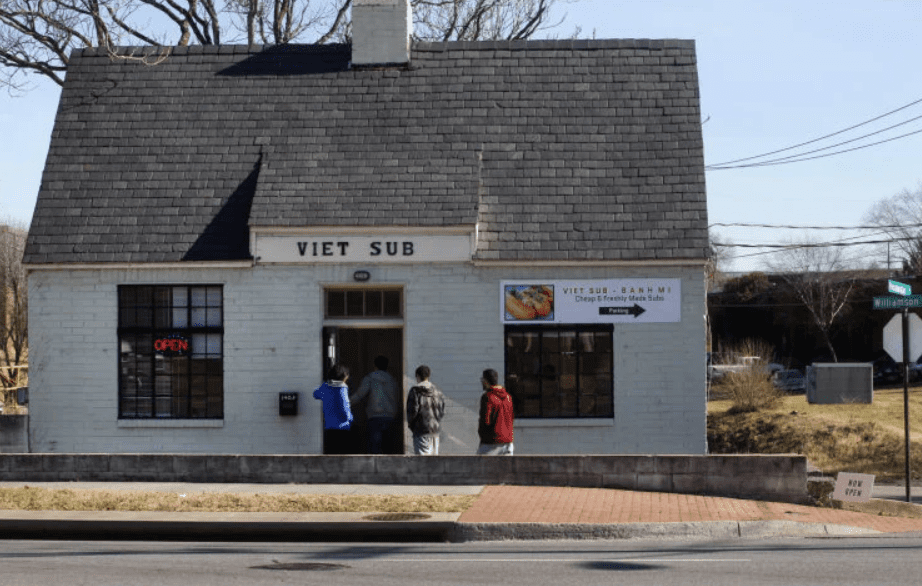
x=798 y=156
x=791 y=227
x=784 y=162
x=793 y=246
x=768 y=154
x=851 y=140
x=814 y=244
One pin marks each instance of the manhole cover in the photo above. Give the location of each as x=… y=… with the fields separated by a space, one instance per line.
x=301 y=566
x=397 y=517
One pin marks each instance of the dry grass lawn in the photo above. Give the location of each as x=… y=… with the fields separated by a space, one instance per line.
x=886 y=410
x=851 y=437
x=42 y=499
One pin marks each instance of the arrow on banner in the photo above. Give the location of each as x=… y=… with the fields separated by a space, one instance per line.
x=635 y=311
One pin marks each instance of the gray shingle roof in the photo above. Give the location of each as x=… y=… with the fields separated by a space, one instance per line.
x=561 y=150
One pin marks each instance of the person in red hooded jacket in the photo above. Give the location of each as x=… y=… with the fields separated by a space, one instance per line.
x=496 y=417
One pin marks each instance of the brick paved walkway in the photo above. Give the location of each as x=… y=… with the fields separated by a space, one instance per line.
x=538 y=504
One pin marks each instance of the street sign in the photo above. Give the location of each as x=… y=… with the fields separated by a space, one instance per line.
x=891 y=302
x=899 y=288
x=893 y=337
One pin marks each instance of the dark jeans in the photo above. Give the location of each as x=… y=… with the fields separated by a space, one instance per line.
x=338 y=441
x=379 y=434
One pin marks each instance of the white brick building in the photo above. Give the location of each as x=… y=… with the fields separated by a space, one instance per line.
x=213 y=230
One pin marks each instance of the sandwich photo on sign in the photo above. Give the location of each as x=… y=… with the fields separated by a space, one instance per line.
x=529 y=302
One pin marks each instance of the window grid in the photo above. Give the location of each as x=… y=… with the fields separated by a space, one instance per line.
x=360 y=303
x=171 y=351
x=562 y=371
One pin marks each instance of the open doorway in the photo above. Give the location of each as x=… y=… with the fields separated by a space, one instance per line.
x=357 y=349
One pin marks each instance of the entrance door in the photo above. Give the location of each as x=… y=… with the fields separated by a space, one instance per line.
x=357 y=349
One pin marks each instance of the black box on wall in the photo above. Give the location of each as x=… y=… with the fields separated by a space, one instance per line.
x=288 y=403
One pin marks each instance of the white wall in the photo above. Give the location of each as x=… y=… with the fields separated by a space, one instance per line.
x=273 y=316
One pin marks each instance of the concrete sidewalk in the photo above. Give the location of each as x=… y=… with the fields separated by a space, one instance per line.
x=499 y=512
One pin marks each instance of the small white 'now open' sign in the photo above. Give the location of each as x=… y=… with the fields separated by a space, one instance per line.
x=853 y=487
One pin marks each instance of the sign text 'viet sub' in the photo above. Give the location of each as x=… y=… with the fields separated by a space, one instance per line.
x=363 y=249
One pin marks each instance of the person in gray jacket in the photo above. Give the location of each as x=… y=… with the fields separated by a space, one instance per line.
x=425 y=409
x=383 y=406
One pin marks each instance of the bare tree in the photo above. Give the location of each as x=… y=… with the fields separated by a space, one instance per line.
x=900 y=218
x=819 y=277
x=276 y=22
x=471 y=20
x=37 y=36
x=14 y=332
x=720 y=254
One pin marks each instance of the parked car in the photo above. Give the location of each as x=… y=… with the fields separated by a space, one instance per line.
x=717 y=370
x=886 y=371
x=789 y=381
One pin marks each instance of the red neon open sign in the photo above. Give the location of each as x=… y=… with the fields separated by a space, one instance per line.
x=171 y=345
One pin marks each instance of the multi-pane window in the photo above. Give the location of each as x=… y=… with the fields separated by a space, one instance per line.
x=357 y=303
x=560 y=371
x=171 y=357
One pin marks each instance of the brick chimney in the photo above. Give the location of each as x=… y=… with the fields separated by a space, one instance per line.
x=381 y=32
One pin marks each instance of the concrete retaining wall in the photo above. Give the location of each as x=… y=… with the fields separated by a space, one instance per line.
x=769 y=477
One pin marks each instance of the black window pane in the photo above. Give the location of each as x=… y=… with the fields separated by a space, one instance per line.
x=215 y=403
x=158 y=379
x=560 y=371
x=336 y=303
x=144 y=316
x=214 y=297
x=180 y=383
x=199 y=396
x=355 y=303
x=163 y=317
x=157 y=308
x=360 y=303
x=587 y=405
x=392 y=306
x=531 y=408
x=550 y=342
x=374 y=303
x=595 y=363
x=128 y=406
x=214 y=317
x=603 y=342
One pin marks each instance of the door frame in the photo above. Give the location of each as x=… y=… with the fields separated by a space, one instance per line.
x=331 y=342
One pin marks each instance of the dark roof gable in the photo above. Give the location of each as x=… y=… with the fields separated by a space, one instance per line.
x=558 y=150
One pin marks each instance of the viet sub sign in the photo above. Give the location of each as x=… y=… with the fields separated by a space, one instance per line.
x=361 y=248
x=591 y=301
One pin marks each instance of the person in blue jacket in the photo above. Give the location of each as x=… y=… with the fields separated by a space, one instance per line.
x=337 y=415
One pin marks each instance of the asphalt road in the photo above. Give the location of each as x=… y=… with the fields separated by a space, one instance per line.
x=878 y=560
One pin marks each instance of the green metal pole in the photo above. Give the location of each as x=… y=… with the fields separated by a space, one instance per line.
x=906 y=397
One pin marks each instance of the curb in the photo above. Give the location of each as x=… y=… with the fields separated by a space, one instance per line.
x=883 y=507
x=353 y=528
x=234 y=527
x=689 y=530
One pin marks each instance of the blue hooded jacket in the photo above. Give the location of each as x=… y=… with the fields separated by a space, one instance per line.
x=335 y=398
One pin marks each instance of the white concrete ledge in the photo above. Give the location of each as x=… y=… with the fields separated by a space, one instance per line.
x=769 y=477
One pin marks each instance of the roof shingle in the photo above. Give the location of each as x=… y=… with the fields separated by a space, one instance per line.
x=559 y=150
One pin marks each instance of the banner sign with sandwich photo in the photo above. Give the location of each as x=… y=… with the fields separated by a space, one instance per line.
x=595 y=301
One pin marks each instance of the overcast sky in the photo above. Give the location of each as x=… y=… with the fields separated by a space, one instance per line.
x=773 y=74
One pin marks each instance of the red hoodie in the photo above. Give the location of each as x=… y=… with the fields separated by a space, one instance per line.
x=496 y=417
